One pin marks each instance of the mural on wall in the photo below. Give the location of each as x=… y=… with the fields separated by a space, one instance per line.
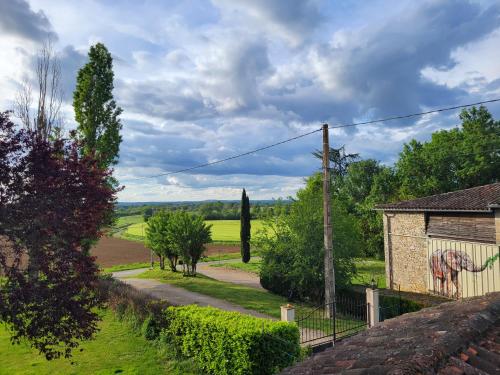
x=466 y=272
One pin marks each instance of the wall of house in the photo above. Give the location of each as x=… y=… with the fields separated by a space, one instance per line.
x=406 y=251
x=467 y=226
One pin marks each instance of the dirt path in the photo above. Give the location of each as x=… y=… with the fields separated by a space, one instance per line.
x=180 y=296
x=231 y=276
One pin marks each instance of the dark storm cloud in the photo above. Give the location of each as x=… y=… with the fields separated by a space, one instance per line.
x=17 y=18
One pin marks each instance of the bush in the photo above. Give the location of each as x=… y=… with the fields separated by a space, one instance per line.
x=224 y=342
x=143 y=312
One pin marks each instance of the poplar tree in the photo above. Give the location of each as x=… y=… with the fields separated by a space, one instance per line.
x=245 y=227
x=96 y=111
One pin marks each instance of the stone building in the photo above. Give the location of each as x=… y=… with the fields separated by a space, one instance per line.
x=446 y=244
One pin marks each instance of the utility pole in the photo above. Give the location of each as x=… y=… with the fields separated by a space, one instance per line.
x=327 y=230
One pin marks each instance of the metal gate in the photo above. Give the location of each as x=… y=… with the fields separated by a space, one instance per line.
x=329 y=323
x=460 y=269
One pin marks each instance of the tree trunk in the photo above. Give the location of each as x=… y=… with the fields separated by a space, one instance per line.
x=162 y=262
x=173 y=263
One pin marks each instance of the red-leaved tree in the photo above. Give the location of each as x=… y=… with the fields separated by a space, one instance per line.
x=52 y=200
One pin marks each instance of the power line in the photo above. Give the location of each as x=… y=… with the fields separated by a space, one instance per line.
x=414 y=114
x=318 y=130
x=235 y=156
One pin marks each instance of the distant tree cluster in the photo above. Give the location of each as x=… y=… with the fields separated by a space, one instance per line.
x=208 y=210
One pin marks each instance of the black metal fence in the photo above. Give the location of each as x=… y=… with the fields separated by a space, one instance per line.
x=332 y=322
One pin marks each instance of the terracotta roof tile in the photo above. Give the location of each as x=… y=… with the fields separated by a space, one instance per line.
x=480 y=198
x=453 y=338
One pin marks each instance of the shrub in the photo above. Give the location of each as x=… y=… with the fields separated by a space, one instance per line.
x=224 y=342
x=143 y=312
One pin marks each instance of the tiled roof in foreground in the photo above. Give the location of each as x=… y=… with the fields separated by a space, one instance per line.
x=480 y=198
x=461 y=337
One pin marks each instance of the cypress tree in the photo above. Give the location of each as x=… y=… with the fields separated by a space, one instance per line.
x=245 y=227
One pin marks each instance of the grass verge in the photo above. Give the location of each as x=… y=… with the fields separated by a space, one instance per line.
x=134 y=266
x=116 y=349
x=250 y=298
x=253 y=266
x=368 y=269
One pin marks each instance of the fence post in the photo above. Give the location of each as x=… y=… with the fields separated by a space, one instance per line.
x=372 y=301
x=287 y=313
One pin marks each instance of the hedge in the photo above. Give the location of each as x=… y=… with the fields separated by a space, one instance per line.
x=224 y=342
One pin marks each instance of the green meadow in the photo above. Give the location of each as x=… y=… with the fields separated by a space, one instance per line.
x=224 y=231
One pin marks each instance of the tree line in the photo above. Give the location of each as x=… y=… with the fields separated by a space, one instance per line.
x=208 y=210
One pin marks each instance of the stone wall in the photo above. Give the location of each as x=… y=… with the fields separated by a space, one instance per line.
x=406 y=251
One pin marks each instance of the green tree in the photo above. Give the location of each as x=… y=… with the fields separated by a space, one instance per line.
x=292 y=245
x=245 y=227
x=365 y=184
x=189 y=234
x=339 y=160
x=453 y=159
x=96 y=111
x=158 y=239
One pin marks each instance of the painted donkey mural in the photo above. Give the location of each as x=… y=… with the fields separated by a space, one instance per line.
x=446 y=265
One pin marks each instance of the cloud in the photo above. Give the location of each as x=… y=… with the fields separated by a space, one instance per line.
x=17 y=18
x=201 y=81
x=230 y=77
x=379 y=67
x=293 y=20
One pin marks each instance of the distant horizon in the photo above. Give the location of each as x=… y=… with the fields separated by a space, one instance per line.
x=203 y=201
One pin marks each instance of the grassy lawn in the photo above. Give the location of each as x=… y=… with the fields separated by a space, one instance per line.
x=116 y=349
x=223 y=231
x=252 y=266
x=368 y=269
x=124 y=267
x=229 y=230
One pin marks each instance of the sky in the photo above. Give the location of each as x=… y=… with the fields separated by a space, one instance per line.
x=200 y=81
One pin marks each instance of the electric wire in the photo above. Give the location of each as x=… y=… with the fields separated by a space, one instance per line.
x=386 y=119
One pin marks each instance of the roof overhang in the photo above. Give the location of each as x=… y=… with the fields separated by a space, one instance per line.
x=433 y=210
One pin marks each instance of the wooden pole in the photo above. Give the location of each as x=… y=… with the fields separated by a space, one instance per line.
x=327 y=228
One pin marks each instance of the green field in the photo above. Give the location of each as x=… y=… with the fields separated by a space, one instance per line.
x=134 y=227
x=116 y=350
